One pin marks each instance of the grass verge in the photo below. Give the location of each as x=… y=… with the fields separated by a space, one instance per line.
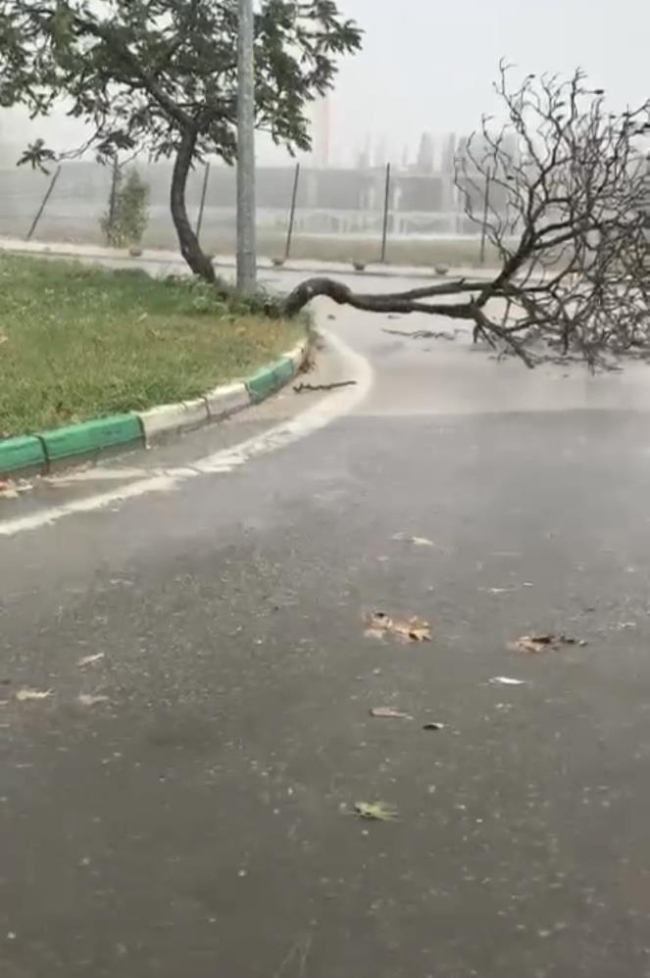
x=79 y=342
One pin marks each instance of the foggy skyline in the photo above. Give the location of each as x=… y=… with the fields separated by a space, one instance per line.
x=428 y=66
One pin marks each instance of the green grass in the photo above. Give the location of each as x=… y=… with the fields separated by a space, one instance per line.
x=80 y=342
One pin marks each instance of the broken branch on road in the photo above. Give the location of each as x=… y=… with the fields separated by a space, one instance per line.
x=561 y=192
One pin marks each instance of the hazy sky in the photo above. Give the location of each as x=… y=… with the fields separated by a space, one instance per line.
x=429 y=64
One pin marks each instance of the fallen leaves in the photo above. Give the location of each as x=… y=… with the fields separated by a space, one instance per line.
x=412 y=629
x=388 y=713
x=375 y=811
x=416 y=541
x=534 y=644
x=26 y=694
x=88 y=660
x=432 y=725
x=87 y=699
x=506 y=681
x=8 y=489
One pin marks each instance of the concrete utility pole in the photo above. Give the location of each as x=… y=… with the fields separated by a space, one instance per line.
x=246 y=248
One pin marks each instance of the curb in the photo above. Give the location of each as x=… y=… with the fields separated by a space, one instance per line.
x=38 y=454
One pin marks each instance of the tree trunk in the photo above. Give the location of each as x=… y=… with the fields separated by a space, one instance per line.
x=187 y=239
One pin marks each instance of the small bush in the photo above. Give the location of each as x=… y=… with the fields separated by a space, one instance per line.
x=124 y=223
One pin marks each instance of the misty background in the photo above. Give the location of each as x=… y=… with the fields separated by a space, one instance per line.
x=426 y=70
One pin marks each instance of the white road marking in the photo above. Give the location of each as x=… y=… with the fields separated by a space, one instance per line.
x=98 y=474
x=336 y=405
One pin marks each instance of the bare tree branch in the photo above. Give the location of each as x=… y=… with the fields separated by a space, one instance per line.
x=569 y=216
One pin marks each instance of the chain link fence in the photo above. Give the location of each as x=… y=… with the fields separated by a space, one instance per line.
x=359 y=216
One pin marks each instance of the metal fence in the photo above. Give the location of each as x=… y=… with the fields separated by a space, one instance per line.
x=380 y=214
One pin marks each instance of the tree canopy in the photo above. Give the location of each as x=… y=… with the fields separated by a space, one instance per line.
x=160 y=76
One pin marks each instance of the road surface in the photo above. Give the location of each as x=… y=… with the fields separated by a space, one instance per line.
x=195 y=816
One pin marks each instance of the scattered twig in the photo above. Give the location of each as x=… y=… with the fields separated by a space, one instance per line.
x=422 y=334
x=302 y=387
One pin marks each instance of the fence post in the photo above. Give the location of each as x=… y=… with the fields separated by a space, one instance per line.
x=204 y=192
x=115 y=175
x=48 y=194
x=292 y=212
x=384 y=232
x=486 y=205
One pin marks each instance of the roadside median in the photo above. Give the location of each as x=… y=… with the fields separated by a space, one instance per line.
x=168 y=354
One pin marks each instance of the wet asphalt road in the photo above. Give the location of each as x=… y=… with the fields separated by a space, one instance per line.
x=198 y=821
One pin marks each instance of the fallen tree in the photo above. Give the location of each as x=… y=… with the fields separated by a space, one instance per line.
x=562 y=191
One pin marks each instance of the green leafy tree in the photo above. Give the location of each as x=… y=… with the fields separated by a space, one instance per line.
x=127 y=216
x=160 y=76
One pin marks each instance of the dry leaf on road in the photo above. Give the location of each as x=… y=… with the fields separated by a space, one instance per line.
x=416 y=541
x=89 y=659
x=506 y=681
x=388 y=713
x=8 y=489
x=433 y=726
x=24 y=695
x=87 y=699
x=375 y=811
x=541 y=643
x=407 y=630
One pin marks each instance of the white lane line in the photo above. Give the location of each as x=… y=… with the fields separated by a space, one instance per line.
x=334 y=406
x=99 y=473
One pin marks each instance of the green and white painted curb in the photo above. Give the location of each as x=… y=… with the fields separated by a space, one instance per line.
x=40 y=452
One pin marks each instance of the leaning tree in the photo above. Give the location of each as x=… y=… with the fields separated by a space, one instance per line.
x=160 y=77
x=562 y=187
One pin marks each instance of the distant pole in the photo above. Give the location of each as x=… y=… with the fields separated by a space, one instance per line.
x=246 y=248
x=204 y=191
x=115 y=176
x=48 y=194
x=384 y=232
x=292 y=213
x=486 y=205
